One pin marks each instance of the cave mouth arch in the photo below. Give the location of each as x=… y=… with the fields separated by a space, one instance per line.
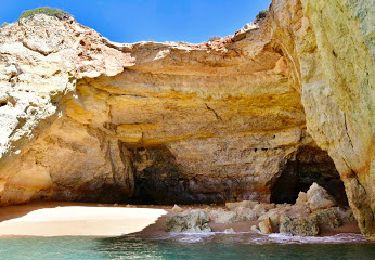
x=310 y=164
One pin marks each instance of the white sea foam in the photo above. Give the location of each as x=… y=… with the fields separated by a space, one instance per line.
x=252 y=238
x=190 y=239
x=335 y=239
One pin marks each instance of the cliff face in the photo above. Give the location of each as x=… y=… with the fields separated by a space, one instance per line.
x=150 y=122
x=334 y=45
x=346 y=55
x=86 y=119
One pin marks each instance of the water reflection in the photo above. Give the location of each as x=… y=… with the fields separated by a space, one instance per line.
x=237 y=246
x=175 y=247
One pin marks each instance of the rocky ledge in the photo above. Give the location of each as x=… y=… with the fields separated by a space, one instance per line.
x=315 y=213
x=258 y=116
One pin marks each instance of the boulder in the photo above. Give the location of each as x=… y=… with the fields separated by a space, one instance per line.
x=176 y=208
x=274 y=216
x=332 y=218
x=222 y=216
x=261 y=209
x=297 y=211
x=301 y=226
x=195 y=220
x=265 y=226
x=245 y=214
x=254 y=228
x=302 y=198
x=345 y=215
x=318 y=198
x=327 y=218
x=292 y=212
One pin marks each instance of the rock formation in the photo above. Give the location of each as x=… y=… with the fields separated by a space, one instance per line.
x=158 y=123
x=86 y=119
x=332 y=45
x=302 y=219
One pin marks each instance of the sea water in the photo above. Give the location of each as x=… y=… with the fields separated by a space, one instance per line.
x=188 y=246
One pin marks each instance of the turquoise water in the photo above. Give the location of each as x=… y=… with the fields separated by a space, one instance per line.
x=183 y=247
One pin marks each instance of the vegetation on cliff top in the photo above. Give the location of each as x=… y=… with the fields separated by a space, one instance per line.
x=45 y=10
x=262 y=14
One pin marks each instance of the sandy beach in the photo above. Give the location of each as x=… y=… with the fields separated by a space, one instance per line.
x=80 y=219
x=75 y=220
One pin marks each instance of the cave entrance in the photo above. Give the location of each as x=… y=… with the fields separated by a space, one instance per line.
x=158 y=180
x=311 y=164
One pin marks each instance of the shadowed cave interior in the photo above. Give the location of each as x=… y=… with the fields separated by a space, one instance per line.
x=158 y=179
x=311 y=164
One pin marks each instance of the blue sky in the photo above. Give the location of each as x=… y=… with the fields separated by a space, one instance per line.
x=158 y=20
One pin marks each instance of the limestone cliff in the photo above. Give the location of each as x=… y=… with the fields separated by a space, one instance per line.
x=334 y=44
x=86 y=119
x=149 y=121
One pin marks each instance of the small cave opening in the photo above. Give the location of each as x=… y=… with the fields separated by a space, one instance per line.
x=311 y=164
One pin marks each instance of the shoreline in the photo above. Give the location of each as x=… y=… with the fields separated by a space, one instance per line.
x=108 y=220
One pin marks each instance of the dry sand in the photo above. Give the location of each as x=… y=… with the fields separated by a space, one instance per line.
x=77 y=220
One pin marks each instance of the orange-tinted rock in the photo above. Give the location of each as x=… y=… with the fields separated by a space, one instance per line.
x=83 y=118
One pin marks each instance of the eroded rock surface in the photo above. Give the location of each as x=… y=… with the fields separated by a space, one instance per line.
x=155 y=123
x=318 y=198
x=86 y=119
x=188 y=221
x=332 y=44
x=302 y=219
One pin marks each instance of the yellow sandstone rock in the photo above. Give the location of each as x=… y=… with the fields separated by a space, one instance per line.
x=86 y=119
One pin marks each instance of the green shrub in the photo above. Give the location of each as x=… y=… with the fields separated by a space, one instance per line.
x=45 y=10
x=262 y=14
x=4 y=24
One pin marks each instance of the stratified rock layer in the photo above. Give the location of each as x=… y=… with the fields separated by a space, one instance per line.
x=183 y=123
x=86 y=119
x=334 y=44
